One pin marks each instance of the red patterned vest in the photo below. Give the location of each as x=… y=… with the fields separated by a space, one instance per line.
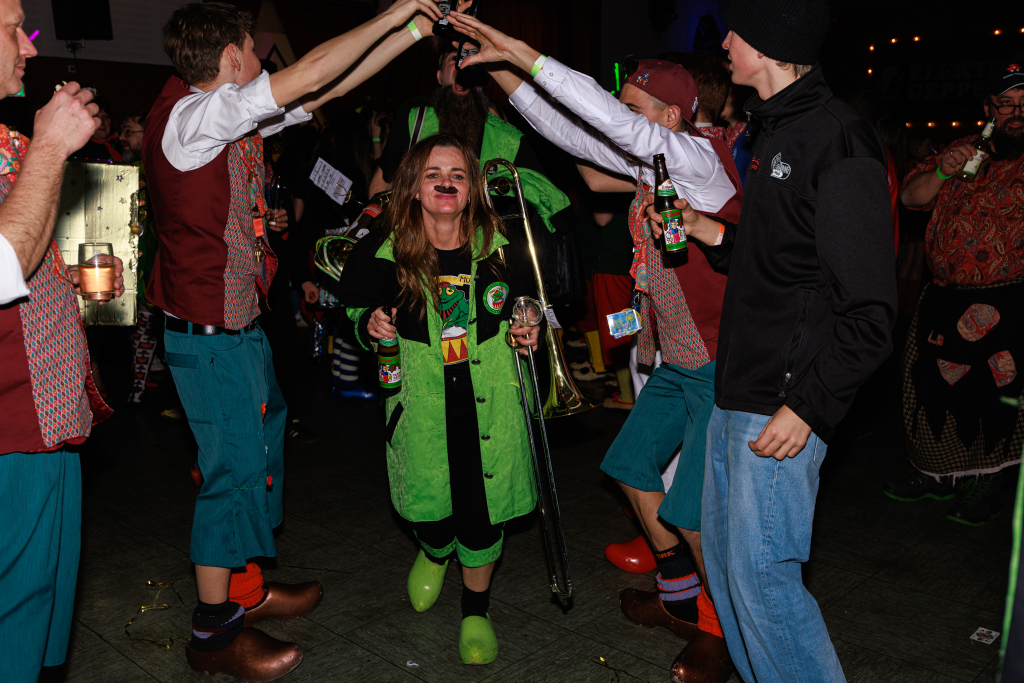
x=206 y=269
x=47 y=397
x=687 y=328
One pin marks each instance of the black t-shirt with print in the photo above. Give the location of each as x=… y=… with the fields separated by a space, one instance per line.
x=453 y=289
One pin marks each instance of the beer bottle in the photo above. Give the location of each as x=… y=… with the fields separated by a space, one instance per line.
x=674 y=238
x=970 y=167
x=389 y=363
x=466 y=47
x=442 y=27
x=368 y=216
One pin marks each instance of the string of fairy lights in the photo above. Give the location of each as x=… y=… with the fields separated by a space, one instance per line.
x=934 y=124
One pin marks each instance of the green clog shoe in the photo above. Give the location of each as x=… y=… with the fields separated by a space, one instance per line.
x=477 y=642
x=425 y=582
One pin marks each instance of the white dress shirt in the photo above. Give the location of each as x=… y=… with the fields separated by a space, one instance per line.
x=202 y=123
x=12 y=284
x=608 y=134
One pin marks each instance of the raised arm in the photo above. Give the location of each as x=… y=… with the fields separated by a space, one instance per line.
x=395 y=44
x=326 y=62
x=28 y=214
x=692 y=163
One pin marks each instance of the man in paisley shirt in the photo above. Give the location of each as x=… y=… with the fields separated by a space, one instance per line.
x=961 y=352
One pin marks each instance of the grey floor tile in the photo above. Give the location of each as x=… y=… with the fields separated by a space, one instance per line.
x=301 y=543
x=366 y=519
x=522 y=581
x=167 y=664
x=577 y=659
x=856 y=546
x=431 y=639
x=111 y=543
x=827 y=583
x=109 y=600
x=82 y=637
x=615 y=528
x=341 y=661
x=373 y=586
x=866 y=666
x=991 y=536
x=990 y=673
x=863 y=500
x=657 y=646
x=101 y=664
x=914 y=627
x=954 y=572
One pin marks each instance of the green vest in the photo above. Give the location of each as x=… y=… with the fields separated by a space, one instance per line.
x=501 y=141
x=417 y=452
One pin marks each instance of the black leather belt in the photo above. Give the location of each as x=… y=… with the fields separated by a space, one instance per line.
x=185 y=327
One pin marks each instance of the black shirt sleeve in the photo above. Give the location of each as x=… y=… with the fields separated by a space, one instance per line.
x=396 y=146
x=719 y=256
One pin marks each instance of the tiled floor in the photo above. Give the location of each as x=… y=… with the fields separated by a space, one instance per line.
x=901 y=588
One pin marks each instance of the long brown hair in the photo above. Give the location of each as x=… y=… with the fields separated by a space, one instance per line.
x=415 y=257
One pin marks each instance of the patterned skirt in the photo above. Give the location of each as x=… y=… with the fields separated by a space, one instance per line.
x=959 y=363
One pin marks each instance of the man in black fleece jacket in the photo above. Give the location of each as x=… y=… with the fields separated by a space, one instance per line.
x=807 y=318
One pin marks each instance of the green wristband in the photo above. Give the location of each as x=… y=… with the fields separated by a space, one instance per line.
x=375 y=140
x=415 y=31
x=537 y=66
x=938 y=172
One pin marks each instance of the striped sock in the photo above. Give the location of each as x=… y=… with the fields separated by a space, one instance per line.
x=345 y=364
x=215 y=626
x=678 y=584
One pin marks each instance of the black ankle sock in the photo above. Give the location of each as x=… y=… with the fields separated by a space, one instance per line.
x=215 y=626
x=678 y=582
x=674 y=563
x=435 y=560
x=475 y=604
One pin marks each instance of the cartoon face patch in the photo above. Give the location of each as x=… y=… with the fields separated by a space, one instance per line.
x=495 y=297
x=642 y=78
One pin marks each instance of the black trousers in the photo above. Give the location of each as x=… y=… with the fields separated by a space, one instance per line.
x=468 y=529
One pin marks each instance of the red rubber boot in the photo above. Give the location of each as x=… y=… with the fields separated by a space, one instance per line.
x=633 y=556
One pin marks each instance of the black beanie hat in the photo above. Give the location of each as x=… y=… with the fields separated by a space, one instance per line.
x=786 y=30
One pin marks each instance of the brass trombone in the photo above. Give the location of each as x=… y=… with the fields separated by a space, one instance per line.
x=528 y=312
x=563 y=398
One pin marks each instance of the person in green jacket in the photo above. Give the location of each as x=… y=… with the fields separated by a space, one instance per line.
x=442 y=280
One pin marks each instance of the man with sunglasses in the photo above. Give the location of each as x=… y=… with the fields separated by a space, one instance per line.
x=968 y=328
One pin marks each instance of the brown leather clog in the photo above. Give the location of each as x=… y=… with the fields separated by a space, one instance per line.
x=252 y=657
x=705 y=659
x=286 y=601
x=646 y=609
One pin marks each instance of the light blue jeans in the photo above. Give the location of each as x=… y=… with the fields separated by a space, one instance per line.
x=756 y=517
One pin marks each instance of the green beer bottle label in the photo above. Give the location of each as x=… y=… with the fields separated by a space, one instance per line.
x=666 y=189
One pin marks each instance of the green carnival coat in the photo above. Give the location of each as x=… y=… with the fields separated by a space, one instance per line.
x=416 y=432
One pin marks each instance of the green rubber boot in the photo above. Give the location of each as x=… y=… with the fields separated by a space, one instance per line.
x=477 y=642
x=425 y=582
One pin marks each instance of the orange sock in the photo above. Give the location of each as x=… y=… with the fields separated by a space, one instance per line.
x=246 y=587
x=707 y=617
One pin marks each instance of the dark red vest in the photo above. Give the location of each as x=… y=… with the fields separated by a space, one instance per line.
x=205 y=269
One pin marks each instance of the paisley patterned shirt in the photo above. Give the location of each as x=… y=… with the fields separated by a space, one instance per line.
x=976 y=233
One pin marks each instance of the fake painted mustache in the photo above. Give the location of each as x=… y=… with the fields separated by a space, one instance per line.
x=446 y=190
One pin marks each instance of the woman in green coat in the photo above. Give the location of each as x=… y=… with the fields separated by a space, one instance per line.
x=442 y=281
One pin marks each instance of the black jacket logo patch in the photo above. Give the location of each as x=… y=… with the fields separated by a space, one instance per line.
x=780 y=169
